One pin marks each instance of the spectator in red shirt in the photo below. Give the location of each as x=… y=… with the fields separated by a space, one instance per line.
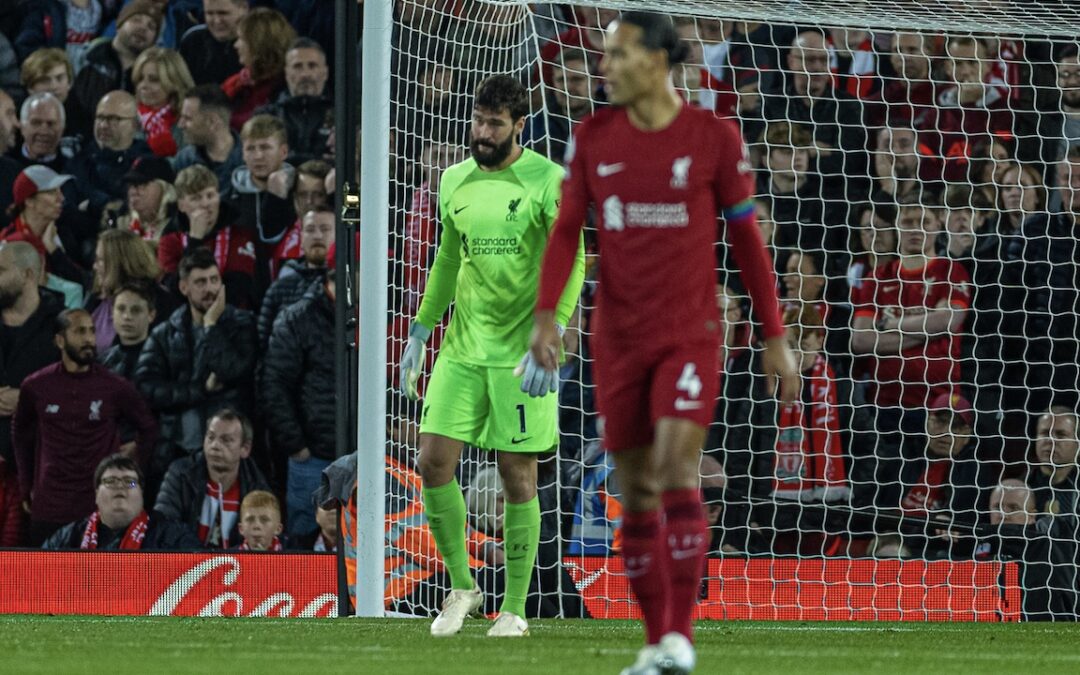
x=906 y=329
x=204 y=490
x=120 y=521
x=263 y=37
x=205 y=222
x=67 y=420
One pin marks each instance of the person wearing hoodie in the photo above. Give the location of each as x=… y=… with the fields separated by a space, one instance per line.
x=316 y=238
x=205 y=222
x=260 y=189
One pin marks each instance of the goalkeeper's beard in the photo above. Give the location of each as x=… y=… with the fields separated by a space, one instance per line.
x=489 y=155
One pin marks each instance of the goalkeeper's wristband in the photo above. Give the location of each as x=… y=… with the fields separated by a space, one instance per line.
x=419 y=331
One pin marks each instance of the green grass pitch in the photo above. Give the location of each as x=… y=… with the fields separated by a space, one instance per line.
x=53 y=644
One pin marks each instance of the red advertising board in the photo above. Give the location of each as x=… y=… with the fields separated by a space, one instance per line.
x=168 y=584
x=833 y=589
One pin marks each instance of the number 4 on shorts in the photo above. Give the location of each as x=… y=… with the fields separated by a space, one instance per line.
x=689 y=381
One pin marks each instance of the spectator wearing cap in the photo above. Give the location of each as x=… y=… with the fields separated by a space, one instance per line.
x=944 y=481
x=67 y=420
x=36 y=207
x=151 y=199
x=316 y=239
x=119 y=522
x=27 y=315
x=305 y=108
x=205 y=222
x=298 y=395
x=263 y=37
x=161 y=82
x=109 y=61
x=70 y=25
x=201 y=359
x=209 y=48
x=101 y=165
x=208 y=140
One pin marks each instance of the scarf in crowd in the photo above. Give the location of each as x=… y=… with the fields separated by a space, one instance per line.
x=158 y=124
x=220 y=509
x=221 y=246
x=133 y=537
x=809 y=463
x=928 y=494
x=274 y=546
x=287 y=249
x=20 y=231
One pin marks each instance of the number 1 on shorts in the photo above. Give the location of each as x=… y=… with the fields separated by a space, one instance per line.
x=521 y=416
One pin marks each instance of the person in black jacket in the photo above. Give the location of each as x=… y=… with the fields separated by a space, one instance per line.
x=200 y=360
x=204 y=491
x=307 y=112
x=316 y=238
x=298 y=398
x=100 y=167
x=27 y=316
x=209 y=48
x=108 y=61
x=133 y=311
x=9 y=168
x=120 y=521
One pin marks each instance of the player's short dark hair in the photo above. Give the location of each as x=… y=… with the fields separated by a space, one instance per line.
x=502 y=92
x=658 y=32
x=118 y=462
x=64 y=319
x=200 y=258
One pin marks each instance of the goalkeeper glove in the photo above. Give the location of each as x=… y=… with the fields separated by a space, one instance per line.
x=412 y=360
x=535 y=380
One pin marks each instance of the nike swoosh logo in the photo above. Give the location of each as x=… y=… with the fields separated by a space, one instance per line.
x=683 y=404
x=518 y=557
x=515 y=441
x=605 y=170
x=459 y=210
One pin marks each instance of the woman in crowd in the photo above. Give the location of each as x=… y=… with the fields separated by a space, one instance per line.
x=264 y=37
x=121 y=257
x=162 y=79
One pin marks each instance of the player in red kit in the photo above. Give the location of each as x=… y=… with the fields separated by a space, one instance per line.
x=660 y=173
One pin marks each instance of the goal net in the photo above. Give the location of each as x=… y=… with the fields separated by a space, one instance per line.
x=917 y=171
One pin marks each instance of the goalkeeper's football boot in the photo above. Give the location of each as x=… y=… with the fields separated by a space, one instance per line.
x=457 y=606
x=646 y=663
x=509 y=625
x=677 y=656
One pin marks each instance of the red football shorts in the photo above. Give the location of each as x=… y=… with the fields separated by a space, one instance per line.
x=635 y=387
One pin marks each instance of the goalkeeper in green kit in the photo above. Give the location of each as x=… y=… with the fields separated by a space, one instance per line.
x=497 y=209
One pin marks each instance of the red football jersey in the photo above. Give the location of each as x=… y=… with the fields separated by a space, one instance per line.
x=658 y=196
x=918 y=373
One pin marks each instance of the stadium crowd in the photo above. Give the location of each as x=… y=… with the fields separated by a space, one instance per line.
x=166 y=317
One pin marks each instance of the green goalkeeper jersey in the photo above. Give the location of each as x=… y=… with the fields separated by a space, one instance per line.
x=495 y=226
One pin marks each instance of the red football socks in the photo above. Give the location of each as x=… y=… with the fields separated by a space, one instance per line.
x=645 y=555
x=684 y=548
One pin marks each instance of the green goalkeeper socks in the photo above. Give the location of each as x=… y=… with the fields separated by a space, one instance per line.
x=445 y=509
x=521 y=536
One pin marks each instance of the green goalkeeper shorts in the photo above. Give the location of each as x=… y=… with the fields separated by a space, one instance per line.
x=486 y=408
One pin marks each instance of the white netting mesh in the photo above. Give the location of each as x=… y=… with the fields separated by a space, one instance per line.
x=914 y=188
